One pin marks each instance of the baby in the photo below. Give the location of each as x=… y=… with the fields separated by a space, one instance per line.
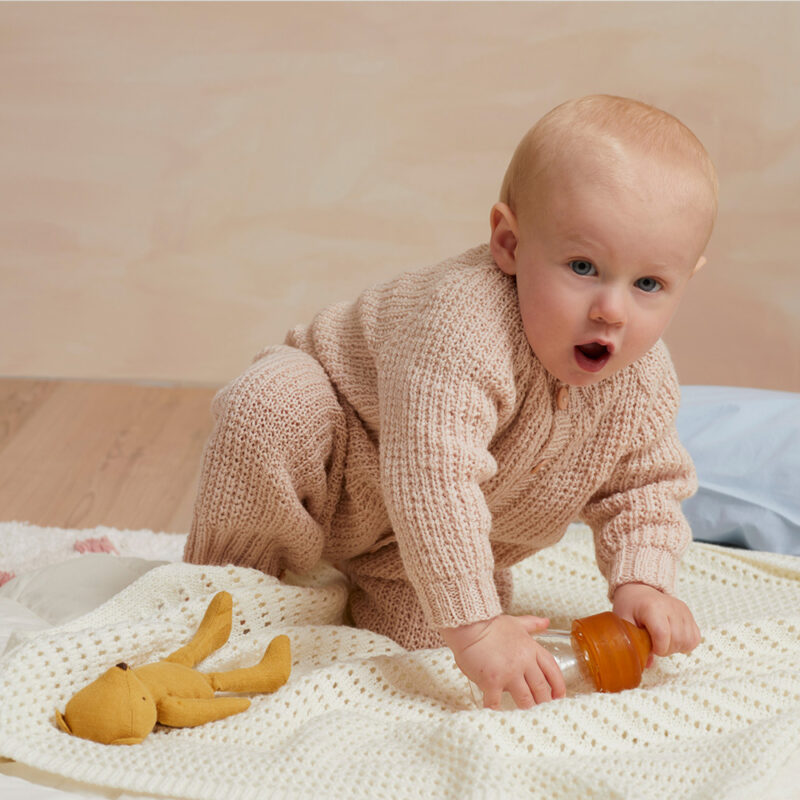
x=454 y=421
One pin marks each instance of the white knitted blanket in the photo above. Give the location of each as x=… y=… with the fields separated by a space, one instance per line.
x=361 y=717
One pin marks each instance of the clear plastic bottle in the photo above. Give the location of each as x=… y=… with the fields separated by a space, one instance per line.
x=602 y=653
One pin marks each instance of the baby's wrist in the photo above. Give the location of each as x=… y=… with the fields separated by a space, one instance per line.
x=464 y=635
x=634 y=587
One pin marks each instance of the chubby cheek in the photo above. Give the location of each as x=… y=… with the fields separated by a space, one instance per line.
x=641 y=335
x=545 y=305
x=543 y=319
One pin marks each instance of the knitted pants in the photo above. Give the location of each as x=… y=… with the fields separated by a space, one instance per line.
x=273 y=495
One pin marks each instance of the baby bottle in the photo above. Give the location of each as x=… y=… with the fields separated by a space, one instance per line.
x=603 y=653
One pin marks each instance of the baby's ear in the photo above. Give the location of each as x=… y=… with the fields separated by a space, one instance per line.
x=699 y=265
x=503 y=243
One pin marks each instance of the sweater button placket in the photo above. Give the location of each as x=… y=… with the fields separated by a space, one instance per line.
x=560 y=433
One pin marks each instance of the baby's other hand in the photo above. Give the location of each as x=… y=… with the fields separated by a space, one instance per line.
x=501 y=655
x=668 y=620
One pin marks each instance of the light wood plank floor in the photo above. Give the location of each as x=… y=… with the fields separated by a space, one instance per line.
x=77 y=454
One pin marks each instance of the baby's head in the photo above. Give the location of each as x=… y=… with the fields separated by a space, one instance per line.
x=604 y=214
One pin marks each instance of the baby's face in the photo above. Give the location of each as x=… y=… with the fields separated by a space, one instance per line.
x=601 y=267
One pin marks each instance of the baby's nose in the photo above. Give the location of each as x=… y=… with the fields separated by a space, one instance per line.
x=608 y=307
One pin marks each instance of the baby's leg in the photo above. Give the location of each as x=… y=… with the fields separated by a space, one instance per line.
x=272 y=467
x=391 y=608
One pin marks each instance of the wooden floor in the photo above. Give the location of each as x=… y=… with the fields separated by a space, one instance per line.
x=77 y=454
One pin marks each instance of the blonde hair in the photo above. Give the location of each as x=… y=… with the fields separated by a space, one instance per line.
x=617 y=121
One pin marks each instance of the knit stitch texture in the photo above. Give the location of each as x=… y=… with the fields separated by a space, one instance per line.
x=414 y=438
x=361 y=717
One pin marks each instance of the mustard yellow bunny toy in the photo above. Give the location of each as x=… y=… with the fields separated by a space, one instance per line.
x=123 y=705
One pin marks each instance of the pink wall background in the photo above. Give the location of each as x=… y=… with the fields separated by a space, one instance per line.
x=183 y=182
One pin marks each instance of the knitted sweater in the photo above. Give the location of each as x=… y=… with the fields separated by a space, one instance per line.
x=470 y=456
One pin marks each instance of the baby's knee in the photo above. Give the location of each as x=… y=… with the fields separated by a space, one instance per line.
x=277 y=400
x=244 y=405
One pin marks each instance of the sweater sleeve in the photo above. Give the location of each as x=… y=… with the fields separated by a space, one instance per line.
x=443 y=386
x=639 y=529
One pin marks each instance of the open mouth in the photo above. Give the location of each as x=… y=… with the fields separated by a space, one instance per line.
x=592 y=356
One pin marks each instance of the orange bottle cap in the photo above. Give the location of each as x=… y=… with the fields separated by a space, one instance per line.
x=616 y=651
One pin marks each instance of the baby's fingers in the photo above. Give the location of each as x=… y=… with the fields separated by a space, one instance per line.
x=538 y=686
x=522 y=693
x=678 y=635
x=552 y=674
x=660 y=635
x=491 y=698
x=685 y=636
x=533 y=624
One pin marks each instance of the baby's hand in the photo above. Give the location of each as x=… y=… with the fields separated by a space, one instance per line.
x=500 y=655
x=668 y=620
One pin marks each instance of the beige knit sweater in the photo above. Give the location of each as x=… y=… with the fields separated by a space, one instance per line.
x=465 y=455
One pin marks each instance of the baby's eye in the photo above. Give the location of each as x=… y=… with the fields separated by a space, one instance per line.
x=649 y=285
x=581 y=267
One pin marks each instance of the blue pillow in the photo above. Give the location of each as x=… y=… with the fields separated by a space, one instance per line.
x=746 y=447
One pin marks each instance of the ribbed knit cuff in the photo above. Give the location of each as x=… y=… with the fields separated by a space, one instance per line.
x=651 y=565
x=468 y=599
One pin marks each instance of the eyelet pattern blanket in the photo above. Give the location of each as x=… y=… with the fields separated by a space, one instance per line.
x=361 y=717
